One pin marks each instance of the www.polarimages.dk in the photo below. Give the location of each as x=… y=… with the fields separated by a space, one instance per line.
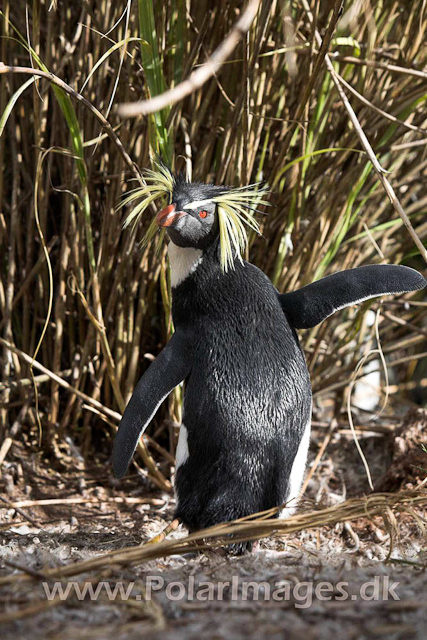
x=303 y=594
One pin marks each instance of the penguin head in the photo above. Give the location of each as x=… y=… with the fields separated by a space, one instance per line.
x=191 y=220
x=198 y=214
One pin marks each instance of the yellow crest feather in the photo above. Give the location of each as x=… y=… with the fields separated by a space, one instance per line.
x=236 y=212
x=236 y=209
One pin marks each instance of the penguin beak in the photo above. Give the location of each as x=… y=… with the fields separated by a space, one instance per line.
x=168 y=216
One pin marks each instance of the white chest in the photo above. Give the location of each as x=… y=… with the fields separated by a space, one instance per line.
x=182 y=262
x=182 y=453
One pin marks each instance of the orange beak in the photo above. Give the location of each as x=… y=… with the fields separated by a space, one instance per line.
x=168 y=216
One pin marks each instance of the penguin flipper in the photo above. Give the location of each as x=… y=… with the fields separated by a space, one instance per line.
x=171 y=367
x=310 y=305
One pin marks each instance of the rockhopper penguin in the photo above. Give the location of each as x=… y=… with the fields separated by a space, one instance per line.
x=243 y=443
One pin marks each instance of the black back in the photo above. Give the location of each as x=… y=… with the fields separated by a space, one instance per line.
x=247 y=398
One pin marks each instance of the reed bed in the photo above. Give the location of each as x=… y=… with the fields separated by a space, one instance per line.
x=78 y=294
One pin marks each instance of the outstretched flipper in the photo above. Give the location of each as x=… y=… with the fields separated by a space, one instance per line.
x=310 y=305
x=171 y=367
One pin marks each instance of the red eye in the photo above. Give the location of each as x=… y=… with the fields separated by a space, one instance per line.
x=203 y=214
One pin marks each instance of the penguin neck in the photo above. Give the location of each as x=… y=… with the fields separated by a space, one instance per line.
x=183 y=262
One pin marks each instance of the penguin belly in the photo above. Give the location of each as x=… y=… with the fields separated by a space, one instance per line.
x=247 y=406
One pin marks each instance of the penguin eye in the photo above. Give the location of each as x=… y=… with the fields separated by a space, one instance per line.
x=203 y=214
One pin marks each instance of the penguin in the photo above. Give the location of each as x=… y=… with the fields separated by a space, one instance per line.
x=245 y=433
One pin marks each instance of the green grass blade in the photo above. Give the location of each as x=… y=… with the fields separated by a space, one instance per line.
x=311 y=155
x=107 y=54
x=178 y=41
x=150 y=56
x=160 y=141
x=9 y=107
x=70 y=116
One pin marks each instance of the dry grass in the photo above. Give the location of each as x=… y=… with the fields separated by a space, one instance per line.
x=273 y=113
x=261 y=525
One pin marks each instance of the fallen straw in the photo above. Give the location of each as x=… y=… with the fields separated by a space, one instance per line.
x=377 y=504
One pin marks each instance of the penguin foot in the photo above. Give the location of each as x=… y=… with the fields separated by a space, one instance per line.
x=240 y=548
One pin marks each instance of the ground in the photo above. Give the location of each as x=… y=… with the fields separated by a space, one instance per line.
x=207 y=594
